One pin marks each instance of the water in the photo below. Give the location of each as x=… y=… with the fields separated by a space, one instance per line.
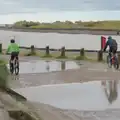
x=54 y=40
x=42 y=66
x=97 y=95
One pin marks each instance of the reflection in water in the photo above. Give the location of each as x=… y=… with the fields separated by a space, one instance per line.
x=110 y=88
x=33 y=66
x=41 y=66
x=79 y=63
x=15 y=77
x=63 y=65
x=47 y=66
x=81 y=96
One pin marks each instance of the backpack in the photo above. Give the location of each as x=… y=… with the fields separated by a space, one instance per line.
x=114 y=43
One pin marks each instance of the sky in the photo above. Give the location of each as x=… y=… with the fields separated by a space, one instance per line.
x=52 y=10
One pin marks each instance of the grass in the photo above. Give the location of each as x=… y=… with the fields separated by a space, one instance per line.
x=3 y=62
x=47 y=56
x=111 y=24
x=3 y=75
x=61 y=57
x=92 y=57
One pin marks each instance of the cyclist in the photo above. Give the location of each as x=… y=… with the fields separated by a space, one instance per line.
x=112 y=46
x=13 y=49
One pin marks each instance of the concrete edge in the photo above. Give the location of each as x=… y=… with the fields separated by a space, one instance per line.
x=15 y=94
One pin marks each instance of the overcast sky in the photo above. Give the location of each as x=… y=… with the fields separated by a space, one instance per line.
x=49 y=9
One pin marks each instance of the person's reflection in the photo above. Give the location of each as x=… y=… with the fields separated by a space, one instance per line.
x=47 y=66
x=63 y=66
x=110 y=88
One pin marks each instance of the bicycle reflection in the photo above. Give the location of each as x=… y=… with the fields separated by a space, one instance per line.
x=110 y=89
x=47 y=66
x=15 y=77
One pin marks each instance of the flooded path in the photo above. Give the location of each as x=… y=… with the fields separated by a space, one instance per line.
x=88 y=96
x=96 y=72
x=69 y=90
x=42 y=66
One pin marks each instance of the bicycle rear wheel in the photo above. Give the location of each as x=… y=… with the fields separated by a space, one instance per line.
x=16 y=67
x=116 y=63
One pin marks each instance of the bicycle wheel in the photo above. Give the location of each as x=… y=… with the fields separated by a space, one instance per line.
x=109 y=61
x=11 y=68
x=116 y=63
x=16 y=67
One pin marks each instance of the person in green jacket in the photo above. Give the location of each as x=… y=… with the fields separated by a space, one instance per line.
x=13 y=49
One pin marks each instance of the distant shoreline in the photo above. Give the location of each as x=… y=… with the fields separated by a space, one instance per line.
x=66 y=31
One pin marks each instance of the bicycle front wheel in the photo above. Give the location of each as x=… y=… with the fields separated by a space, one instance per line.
x=116 y=64
x=16 y=67
x=109 y=61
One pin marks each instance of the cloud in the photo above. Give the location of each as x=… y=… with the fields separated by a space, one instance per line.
x=34 y=6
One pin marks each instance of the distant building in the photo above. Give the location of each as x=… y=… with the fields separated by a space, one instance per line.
x=2 y=25
x=9 y=25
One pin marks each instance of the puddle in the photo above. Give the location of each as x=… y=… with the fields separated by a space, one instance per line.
x=94 y=95
x=42 y=66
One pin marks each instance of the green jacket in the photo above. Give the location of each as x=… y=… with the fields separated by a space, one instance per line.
x=13 y=47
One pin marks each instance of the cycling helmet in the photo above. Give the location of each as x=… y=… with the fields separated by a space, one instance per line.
x=12 y=41
x=109 y=37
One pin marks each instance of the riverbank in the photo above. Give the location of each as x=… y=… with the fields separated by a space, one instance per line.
x=69 y=27
x=66 y=31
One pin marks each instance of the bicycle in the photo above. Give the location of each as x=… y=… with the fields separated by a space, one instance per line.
x=14 y=66
x=112 y=61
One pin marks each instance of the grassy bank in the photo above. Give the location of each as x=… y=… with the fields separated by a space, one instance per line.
x=69 y=25
x=3 y=62
x=3 y=74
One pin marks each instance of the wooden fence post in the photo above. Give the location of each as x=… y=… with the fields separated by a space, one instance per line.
x=63 y=52
x=32 y=48
x=0 y=47
x=47 y=50
x=82 y=52
x=100 y=55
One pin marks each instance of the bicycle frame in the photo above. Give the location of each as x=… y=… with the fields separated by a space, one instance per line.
x=113 y=56
x=13 y=60
x=112 y=60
